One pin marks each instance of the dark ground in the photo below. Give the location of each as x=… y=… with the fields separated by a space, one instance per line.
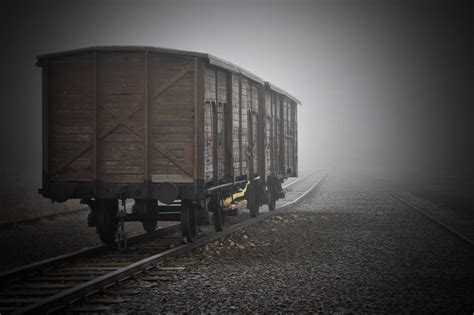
x=455 y=194
x=349 y=247
x=31 y=241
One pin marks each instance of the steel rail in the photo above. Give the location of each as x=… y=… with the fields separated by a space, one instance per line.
x=64 y=298
x=298 y=180
x=36 y=267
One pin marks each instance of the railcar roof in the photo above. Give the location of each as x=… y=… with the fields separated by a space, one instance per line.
x=213 y=60
x=278 y=90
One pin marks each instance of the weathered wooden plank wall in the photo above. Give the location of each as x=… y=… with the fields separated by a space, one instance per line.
x=294 y=137
x=254 y=128
x=243 y=95
x=133 y=116
x=172 y=117
x=245 y=151
x=221 y=104
x=268 y=132
x=98 y=109
x=209 y=104
x=236 y=125
x=276 y=132
x=122 y=147
x=70 y=117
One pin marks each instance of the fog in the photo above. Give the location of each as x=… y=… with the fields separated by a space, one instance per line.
x=386 y=86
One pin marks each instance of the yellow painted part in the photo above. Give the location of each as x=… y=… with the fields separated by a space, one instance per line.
x=226 y=203
x=229 y=201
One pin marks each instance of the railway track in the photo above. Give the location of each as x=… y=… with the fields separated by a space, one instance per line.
x=433 y=218
x=57 y=282
x=457 y=229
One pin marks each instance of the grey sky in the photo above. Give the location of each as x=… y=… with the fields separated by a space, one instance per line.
x=384 y=84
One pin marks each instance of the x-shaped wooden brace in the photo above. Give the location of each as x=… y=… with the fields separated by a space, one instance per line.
x=126 y=121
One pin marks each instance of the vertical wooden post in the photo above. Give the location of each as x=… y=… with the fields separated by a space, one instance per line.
x=215 y=131
x=276 y=133
x=272 y=163
x=282 y=136
x=261 y=133
x=296 y=139
x=288 y=134
x=147 y=124
x=196 y=126
x=97 y=104
x=250 y=131
x=45 y=104
x=240 y=126
x=200 y=120
x=229 y=165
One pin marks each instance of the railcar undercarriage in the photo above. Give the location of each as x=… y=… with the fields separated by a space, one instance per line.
x=107 y=215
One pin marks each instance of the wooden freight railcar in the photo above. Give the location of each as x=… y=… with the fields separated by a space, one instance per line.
x=187 y=129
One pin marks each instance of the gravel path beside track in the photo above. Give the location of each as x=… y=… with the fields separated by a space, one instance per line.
x=349 y=247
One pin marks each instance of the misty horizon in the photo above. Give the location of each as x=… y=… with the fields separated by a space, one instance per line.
x=384 y=86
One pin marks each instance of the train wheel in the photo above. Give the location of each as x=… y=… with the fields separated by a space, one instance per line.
x=253 y=203
x=220 y=219
x=271 y=202
x=203 y=216
x=189 y=218
x=107 y=220
x=149 y=225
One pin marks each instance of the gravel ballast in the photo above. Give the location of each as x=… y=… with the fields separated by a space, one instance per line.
x=349 y=247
